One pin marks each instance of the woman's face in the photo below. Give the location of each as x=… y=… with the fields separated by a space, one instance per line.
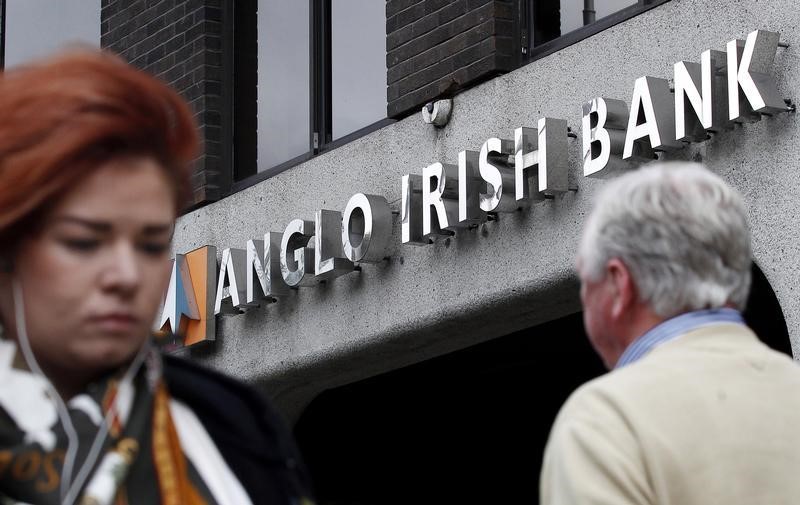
x=94 y=275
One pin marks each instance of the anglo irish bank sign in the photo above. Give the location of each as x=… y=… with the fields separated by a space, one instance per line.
x=726 y=87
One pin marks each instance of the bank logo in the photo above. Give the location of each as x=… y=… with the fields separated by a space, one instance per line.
x=187 y=315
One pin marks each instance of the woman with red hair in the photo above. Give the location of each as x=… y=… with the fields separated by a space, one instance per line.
x=95 y=162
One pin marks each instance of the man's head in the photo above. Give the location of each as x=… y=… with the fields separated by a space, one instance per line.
x=661 y=241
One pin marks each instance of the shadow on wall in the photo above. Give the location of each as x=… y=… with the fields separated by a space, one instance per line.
x=467 y=427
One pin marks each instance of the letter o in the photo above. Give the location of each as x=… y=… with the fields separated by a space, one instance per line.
x=366 y=228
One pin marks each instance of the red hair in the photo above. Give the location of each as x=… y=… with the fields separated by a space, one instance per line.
x=62 y=118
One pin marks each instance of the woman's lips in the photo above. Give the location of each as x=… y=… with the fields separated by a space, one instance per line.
x=116 y=322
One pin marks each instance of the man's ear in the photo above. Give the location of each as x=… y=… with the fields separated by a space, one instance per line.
x=625 y=294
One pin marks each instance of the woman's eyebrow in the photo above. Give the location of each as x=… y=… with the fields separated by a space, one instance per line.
x=105 y=227
x=158 y=229
x=100 y=226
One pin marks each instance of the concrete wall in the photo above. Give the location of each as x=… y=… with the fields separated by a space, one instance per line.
x=508 y=274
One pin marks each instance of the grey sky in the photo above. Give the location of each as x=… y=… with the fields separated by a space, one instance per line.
x=36 y=28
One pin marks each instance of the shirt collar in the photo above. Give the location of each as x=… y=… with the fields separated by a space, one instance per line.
x=674 y=327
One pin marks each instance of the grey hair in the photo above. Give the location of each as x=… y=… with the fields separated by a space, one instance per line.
x=680 y=230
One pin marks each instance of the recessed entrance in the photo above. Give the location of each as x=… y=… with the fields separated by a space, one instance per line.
x=467 y=427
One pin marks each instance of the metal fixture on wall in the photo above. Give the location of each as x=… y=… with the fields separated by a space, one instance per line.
x=589 y=14
x=437 y=113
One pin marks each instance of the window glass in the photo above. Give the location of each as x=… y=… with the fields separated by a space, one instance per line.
x=572 y=11
x=283 y=81
x=358 y=66
x=37 y=28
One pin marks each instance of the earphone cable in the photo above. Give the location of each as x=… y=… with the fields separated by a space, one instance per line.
x=61 y=408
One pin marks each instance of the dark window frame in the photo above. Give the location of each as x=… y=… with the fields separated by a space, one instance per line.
x=241 y=56
x=2 y=34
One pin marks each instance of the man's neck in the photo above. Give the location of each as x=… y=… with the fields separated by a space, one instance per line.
x=670 y=328
x=641 y=319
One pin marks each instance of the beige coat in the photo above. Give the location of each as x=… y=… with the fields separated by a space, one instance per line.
x=712 y=417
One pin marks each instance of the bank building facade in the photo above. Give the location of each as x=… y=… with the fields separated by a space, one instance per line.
x=391 y=194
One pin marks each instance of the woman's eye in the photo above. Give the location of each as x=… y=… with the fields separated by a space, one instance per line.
x=81 y=245
x=154 y=248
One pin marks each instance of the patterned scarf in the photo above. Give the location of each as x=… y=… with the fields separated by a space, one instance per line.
x=140 y=460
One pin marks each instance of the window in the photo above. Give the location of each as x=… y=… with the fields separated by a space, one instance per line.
x=358 y=69
x=35 y=28
x=577 y=14
x=283 y=81
x=320 y=79
x=547 y=26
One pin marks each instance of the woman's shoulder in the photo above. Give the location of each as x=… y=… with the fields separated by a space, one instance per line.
x=230 y=410
x=249 y=433
x=214 y=393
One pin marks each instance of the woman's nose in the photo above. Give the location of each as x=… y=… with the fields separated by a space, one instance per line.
x=123 y=272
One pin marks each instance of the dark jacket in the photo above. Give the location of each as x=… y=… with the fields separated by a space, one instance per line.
x=246 y=429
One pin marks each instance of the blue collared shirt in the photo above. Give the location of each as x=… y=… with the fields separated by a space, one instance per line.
x=674 y=327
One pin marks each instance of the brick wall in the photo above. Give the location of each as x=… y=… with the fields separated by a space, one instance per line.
x=437 y=47
x=180 y=41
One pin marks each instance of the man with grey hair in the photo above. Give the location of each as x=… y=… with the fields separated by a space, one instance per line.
x=696 y=409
